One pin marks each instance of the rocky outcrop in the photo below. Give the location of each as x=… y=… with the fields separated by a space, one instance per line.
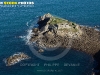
x=54 y=31
x=12 y=60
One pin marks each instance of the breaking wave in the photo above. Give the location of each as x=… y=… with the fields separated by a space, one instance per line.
x=31 y=24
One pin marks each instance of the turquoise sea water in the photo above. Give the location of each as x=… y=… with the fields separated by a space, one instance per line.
x=13 y=24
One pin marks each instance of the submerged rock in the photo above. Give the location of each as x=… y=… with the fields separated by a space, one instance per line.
x=40 y=50
x=15 y=58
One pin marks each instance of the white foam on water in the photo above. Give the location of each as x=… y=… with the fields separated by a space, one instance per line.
x=27 y=24
x=28 y=36
x=31 y=23
x=21 y=36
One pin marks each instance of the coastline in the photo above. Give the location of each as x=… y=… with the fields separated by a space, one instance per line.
x=86 y=39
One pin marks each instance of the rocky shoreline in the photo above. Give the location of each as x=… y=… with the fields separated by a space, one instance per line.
x=15 y=58
x=53 y=31
x=86 y=39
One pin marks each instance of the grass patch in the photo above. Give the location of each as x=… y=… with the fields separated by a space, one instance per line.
x=56 y=20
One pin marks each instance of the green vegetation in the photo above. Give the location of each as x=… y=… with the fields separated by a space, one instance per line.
x=55 y=20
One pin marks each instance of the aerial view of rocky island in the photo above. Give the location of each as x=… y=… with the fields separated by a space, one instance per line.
x=12 y=60
x=54 y=32
x=50 y=37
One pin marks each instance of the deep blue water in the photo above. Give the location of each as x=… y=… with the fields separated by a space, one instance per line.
x=13 y=24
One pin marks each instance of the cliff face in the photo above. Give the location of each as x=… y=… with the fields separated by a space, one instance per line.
x=53 y=30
